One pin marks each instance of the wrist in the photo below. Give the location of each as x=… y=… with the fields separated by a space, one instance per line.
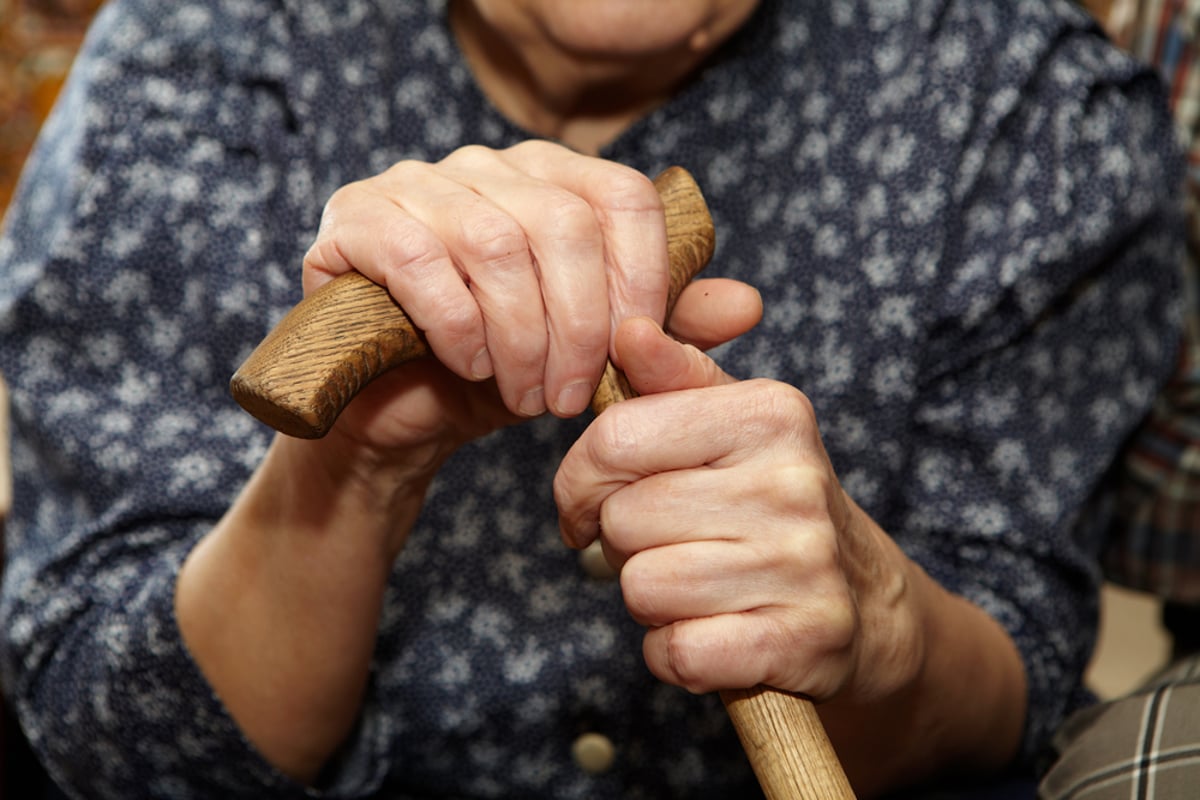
x=895 y=599
x=938 y=683
x=370 y=493
x=287 y=589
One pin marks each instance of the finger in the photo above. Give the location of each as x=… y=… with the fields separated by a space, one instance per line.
x=364 y=228
x=775 y=502
x=786 y=649
x=630 y=213
x=705 y=655
x=655 y=363
x=673 y=431
x=594 y=468
x=706 y=578
x=564 y=240
x=492 y=252
x=712 y=311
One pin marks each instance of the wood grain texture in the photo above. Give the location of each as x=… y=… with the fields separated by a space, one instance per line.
x=332 y=344
x=787 y=746
x=344 y=335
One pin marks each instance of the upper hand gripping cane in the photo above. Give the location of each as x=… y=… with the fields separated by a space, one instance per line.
x=345 y=334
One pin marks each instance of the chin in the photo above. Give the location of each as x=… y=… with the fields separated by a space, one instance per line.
x=623 y=28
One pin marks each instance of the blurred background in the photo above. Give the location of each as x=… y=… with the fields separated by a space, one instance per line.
x=38 y=40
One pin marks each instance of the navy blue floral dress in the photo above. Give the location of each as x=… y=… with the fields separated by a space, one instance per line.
x=964 y=219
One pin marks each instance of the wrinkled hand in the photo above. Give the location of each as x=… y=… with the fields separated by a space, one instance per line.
x=515 y=263
x=736 y=545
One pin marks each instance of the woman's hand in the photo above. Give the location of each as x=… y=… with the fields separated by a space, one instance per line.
x=738 y=548
x=747 y=562
x=516 y=264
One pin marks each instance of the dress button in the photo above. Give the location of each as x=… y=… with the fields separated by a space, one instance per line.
x=594 y=753
x=591 y=558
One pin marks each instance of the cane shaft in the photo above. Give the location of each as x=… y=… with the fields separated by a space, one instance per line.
x=787 y=745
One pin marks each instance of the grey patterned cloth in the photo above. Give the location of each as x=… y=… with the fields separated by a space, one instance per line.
x=964 y=218
x=1142 y=746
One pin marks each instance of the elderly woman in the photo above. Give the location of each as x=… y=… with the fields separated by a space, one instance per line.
x=962 y=214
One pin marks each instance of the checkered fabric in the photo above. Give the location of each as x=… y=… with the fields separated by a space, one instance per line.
x=1155 y=547
x=1145 y=745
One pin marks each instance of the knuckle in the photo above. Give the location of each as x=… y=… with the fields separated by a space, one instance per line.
x=402 y=173
x=495 y=240
x=641 y=593
x=325 y=256
x=408 y=248
x=614 y=438
x=627 y=190
x=570 y=218
x=459 y=322
x=826 y=627
x=841 y=623
x=562 y=488
x=537 y=150
x=526 y=353
x=343 y=195
x=803 y=488
x=567 y=492
x=583 y=337
x=823 y=557
x=812 y=650
x=682 y=661
x=332 y=216
x=782 y=403
x=470 y=156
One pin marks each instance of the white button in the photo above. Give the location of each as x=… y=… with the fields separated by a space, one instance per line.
x=594 y=753
x=591 y=558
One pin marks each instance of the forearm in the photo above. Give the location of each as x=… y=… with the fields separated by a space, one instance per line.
x=963 y=709
x=279 y=605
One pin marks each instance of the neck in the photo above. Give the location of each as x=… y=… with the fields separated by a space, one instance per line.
x=583 y=100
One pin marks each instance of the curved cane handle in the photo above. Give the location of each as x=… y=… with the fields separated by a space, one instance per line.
x=342 y=336
x=350 y=331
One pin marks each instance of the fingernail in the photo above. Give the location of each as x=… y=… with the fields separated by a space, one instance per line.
x=574 y=398
x=533 y=403
x=481 y=367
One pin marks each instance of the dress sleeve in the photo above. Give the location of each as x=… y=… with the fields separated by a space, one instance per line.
x=1054 y=331
x=152 y=241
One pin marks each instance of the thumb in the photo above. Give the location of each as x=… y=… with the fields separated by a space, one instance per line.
x=654 y=362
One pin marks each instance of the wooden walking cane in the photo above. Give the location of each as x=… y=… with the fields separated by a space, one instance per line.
x=348 y=332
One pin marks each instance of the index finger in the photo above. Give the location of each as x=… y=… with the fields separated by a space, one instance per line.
x=635 y=439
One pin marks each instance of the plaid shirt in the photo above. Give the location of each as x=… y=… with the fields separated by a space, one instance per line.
x=1155 y=546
